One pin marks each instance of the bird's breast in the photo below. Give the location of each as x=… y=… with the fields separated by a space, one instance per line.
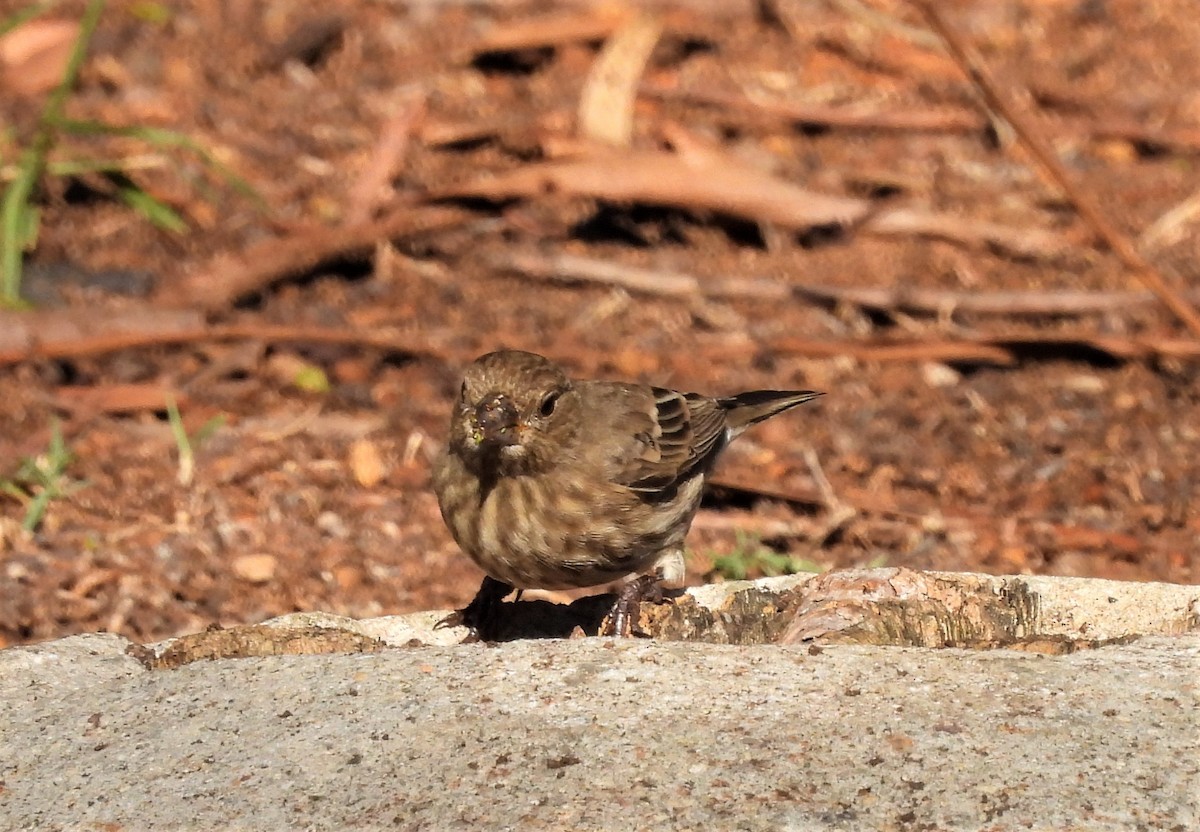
x=557 y=530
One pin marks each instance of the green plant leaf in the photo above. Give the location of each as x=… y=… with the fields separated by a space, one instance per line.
x=162 y=139
x=24 y=16
x=150 y=12
x=157 y=212
x=15 y=222
x=731 y=567
x=41 y=479
x=311 y=379
x=208 y=429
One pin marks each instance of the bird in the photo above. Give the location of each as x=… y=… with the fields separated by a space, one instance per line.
x=551 y=482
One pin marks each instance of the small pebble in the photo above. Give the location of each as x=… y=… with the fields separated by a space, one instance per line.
x=366 y=463
x=257 y=569
x=1085 y=383
x=940 y=375
x=332 y=525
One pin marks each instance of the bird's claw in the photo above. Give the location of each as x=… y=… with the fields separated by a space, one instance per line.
x=454 y=619
x=479 y=616
x=623 y=619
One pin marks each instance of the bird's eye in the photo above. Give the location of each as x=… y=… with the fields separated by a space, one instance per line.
x=548 y=403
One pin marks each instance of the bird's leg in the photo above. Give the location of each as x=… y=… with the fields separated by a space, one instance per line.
x=623 y=618
x=479 y=616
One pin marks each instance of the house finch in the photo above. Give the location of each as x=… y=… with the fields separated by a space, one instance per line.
x=551 y=482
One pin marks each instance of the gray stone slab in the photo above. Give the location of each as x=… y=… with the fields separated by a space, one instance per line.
x=602 y=734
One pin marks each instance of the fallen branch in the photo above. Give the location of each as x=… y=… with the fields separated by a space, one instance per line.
x=227 y=279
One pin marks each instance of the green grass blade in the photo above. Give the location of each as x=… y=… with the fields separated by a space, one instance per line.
x=157 y=212
x=162 y=139
x=15 y=222
x=24 y=16
x=209 y=428
x=36 y=510
x=58 y=99
x=78 y=167
x=187 y=458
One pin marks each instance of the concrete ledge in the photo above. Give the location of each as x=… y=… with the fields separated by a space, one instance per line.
x=337 y=730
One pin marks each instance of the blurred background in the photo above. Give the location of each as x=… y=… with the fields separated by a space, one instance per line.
x=248 y=248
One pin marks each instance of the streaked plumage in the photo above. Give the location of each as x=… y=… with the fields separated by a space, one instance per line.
x=549 y=482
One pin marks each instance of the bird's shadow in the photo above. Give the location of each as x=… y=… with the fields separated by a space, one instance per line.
x=537 y=619
x=514 y=620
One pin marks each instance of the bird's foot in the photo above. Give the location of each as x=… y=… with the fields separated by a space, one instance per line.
x=623 y=619
x=480 y=616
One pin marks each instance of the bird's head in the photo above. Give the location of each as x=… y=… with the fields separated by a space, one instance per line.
x=516 y=411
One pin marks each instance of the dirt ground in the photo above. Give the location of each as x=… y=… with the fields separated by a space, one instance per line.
x=1003 y=394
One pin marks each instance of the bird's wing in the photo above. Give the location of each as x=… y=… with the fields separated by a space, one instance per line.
x=672 y=433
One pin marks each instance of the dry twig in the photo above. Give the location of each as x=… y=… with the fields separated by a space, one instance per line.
x=227 y=279
x=939 y=301
x=551 y=30
x=922 y=120
x=371 y=189
x=610 y=91
x=572 y=268
x=839 y=513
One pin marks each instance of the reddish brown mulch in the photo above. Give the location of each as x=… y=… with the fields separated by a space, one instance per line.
x=425 y=196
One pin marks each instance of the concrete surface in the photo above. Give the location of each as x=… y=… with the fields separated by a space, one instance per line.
x=602 y=734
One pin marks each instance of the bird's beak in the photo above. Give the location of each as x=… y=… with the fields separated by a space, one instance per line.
x=496 y=420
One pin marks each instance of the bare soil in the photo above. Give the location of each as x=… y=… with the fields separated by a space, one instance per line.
x=1068 y=443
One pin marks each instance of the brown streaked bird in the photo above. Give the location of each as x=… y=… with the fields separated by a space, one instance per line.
x=550 y=482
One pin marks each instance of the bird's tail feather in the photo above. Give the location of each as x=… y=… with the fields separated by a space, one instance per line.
x=746 y=409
